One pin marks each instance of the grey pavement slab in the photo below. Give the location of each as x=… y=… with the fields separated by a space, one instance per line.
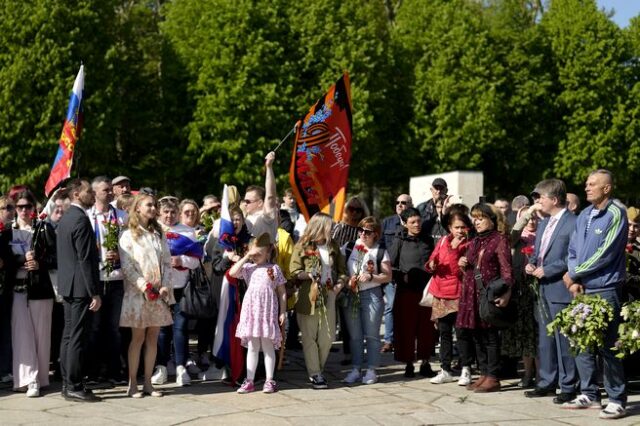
x=393 y=401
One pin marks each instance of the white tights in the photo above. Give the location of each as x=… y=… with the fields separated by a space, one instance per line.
x=254 y=345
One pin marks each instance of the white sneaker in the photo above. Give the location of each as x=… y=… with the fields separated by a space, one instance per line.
x=160 y=375
x=370 y=377
x=352 y=377
x=465 y=377
x=171 y=368
x=33 y=390
x=212 y=373
x=182 y=376
x=443 y=377
x=192 y=367
x=613 y=410
x=581 y=402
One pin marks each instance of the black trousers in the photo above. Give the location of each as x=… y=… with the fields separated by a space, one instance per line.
x=445 y=327
x=75 y=337
x=488 y=351
x=104 y=339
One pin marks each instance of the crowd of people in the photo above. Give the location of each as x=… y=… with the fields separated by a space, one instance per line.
x=91 y=286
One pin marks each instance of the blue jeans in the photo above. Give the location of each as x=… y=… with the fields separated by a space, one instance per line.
x=614 y=381
x=364 y=323
x=180 y=333
x=389 y=295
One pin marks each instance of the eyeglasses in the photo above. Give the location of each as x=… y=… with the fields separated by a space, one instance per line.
x=8 y=207
x=404 y=203
x=249 y=201
x=355 y=209
x=24 y=206
x=364 y=231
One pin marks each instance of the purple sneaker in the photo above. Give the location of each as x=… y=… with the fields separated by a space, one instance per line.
x=269 y=386
x=247 y=386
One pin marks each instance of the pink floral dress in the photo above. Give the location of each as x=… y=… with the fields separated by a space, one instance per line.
x=260 y=306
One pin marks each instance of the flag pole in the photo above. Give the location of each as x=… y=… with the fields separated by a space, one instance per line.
x=295 y=127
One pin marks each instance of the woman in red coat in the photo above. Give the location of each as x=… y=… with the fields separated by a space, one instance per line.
x=445 y=288
x=490 y=252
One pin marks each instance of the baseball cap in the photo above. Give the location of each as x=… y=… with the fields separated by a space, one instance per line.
x=439 y=182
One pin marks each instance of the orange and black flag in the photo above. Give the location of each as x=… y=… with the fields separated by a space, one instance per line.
x=322 y=152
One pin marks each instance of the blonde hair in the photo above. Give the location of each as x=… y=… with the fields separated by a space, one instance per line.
x=134 y=218
x=319 y=228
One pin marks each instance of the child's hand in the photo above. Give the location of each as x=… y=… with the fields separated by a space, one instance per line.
x=281 y=319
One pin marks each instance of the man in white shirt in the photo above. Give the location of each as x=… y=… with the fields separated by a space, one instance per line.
x=105 y=339
x=260 y=205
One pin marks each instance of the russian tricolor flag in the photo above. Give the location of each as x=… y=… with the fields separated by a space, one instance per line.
x=226 y=236
x=71 y=130
x=226 y=346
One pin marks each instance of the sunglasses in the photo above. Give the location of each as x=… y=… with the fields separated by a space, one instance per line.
x=24 y=206
x=355 y=209
x=249 y=201
x=364 y=231
x=8 y=207
x=404 y=203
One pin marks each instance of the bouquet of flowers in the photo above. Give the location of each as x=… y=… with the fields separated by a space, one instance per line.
x=152 y=292
x=33 y=277
x=534 y=285
x=628 y=331
x=583 y=322
x=316 y=293
x=112 y=232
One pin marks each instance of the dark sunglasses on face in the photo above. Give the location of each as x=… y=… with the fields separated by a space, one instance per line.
x=364 y=231
x=355 y=209
x=8 y=207
x=24 y=206
x=404 y=203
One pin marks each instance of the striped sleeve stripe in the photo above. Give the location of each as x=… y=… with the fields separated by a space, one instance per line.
x=611 y=235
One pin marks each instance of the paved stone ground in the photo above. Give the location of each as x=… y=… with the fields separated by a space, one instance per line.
x=394 y=400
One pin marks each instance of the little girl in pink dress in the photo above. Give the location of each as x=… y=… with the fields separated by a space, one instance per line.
x=263 y=310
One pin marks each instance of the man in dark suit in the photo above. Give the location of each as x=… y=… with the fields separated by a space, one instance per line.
x=549 y=264
x=78 y=280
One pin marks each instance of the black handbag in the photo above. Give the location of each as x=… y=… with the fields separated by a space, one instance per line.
x=489 y=312
x=197 y=299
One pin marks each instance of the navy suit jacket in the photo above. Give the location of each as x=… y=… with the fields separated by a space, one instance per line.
x=554 y=263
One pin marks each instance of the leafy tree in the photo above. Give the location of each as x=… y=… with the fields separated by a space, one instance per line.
x=589 y=55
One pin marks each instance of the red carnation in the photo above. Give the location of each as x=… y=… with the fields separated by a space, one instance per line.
x=172 y=235
x=33 y=216
x=361 y=248
x=527 y=251
x=152 y=293
x=2 y=227
x=629 y=248
x=42 y=216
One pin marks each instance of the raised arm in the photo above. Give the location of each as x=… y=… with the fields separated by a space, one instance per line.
x=270 y=207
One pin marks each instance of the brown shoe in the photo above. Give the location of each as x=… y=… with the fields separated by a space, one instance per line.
x=490 y=384
x=386 y=348
x=477 y=383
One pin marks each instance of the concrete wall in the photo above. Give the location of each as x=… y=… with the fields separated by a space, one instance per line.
x=469 y=186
